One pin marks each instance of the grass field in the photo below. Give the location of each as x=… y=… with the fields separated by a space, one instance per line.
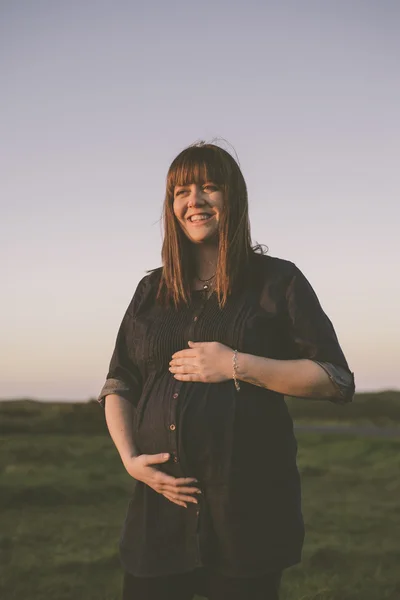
x=63 y=500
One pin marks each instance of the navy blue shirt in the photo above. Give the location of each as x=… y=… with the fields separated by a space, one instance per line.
x=239 y=445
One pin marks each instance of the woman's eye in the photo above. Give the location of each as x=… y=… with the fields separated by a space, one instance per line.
x=210 y=186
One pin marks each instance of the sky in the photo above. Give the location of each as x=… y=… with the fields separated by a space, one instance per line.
x=97 y=99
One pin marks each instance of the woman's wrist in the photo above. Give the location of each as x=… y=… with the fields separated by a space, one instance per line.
x=235 y=375
x=253 y=369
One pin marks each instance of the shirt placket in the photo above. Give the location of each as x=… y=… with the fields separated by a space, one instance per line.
x=198 y=507
x=173 y=436
x=172 y=426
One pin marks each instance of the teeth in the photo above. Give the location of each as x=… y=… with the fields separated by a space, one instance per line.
x=199 y=217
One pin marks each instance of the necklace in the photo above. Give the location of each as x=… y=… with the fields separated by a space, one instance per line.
x=206 y=282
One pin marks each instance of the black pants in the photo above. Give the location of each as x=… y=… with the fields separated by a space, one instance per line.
x=213 y=586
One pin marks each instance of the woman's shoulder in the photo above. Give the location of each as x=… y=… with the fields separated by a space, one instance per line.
x=272 y=278
x=145 y=289
x=153 y=276
x=270 y=267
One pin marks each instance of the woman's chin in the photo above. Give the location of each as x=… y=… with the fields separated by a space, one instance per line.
x=206 y=242
x=210 y=237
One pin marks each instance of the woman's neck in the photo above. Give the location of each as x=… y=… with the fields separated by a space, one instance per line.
x=205 y=260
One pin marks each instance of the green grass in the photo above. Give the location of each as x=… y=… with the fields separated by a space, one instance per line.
x=381 y=409
x=64 y=497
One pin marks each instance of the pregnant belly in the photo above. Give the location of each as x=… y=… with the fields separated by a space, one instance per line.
x=216 y=432
x=196 y=427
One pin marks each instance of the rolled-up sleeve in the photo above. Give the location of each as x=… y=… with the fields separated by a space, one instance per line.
x=114 y=386
x=312 y=336
x=343 y=381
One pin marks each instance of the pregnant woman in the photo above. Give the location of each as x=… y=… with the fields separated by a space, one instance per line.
x=194 y=397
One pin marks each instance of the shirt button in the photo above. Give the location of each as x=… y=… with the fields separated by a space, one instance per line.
x=172 y=427
x=175 y=459
x=175 y=395
x=195 y=319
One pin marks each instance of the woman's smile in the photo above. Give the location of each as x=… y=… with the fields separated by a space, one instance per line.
x=200 y=219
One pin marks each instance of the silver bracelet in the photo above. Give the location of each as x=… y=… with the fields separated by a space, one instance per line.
x=234 y=361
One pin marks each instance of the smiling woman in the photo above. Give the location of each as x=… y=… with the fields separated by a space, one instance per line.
x=194 y=398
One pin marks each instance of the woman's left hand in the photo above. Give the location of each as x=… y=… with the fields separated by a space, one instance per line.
x=209 y=362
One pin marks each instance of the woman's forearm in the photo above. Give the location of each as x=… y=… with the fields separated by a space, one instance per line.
x=119 y=419
x=302 y=377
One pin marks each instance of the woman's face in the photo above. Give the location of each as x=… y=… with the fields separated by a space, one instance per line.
x=198 y=209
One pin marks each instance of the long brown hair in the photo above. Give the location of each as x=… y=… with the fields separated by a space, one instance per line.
x=200 y=163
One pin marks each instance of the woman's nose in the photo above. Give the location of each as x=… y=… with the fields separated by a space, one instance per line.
x=196 y=196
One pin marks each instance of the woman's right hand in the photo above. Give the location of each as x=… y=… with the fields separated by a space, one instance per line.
x=178 y=490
